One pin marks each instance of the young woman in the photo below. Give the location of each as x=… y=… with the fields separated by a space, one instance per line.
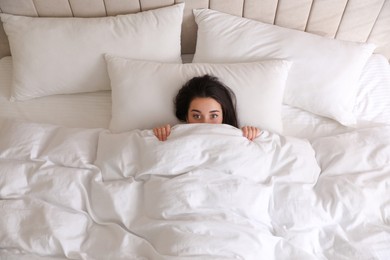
x=205 y=100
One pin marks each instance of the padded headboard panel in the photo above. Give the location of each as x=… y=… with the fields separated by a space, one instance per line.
x=353 y=20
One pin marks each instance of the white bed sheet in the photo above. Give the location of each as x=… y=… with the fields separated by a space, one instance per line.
x=93 y=110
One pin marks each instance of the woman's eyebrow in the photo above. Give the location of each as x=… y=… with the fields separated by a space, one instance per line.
x=212 y=111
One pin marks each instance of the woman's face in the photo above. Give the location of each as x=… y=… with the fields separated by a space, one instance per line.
x=204 y=110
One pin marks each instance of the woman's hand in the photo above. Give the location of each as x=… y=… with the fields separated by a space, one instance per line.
x=162 y=132
x=250 y=132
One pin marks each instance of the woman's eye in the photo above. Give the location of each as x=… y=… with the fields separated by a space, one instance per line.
x=214 y=116
x=196 y=116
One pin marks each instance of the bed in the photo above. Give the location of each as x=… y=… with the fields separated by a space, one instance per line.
x=82 y=176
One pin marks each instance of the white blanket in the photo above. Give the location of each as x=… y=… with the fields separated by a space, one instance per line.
x=205 y=193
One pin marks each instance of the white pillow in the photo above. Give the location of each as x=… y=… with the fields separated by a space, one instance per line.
x=66 y=55
x=143 y=92
x=373 y=98
x=324 y=75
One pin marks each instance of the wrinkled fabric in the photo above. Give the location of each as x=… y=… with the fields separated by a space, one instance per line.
x=205 y=193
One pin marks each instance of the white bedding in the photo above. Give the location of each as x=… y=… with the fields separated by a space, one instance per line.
x=93 y=110
x=71 y=189
x=78 y=110
x=91 y=194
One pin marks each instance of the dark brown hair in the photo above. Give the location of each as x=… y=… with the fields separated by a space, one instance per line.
x=206 y=87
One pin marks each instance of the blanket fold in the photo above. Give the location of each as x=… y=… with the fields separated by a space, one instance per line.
x=205 y=193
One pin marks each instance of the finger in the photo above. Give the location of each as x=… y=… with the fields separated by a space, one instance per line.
x=244 y=131
x=159 y=134
x=250 y=133
x=163 y=134
x=258 y=132
x=247 y=132
x=255 y=133
x=168 y=129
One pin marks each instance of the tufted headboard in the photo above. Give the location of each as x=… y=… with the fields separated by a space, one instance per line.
x=353 y=20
